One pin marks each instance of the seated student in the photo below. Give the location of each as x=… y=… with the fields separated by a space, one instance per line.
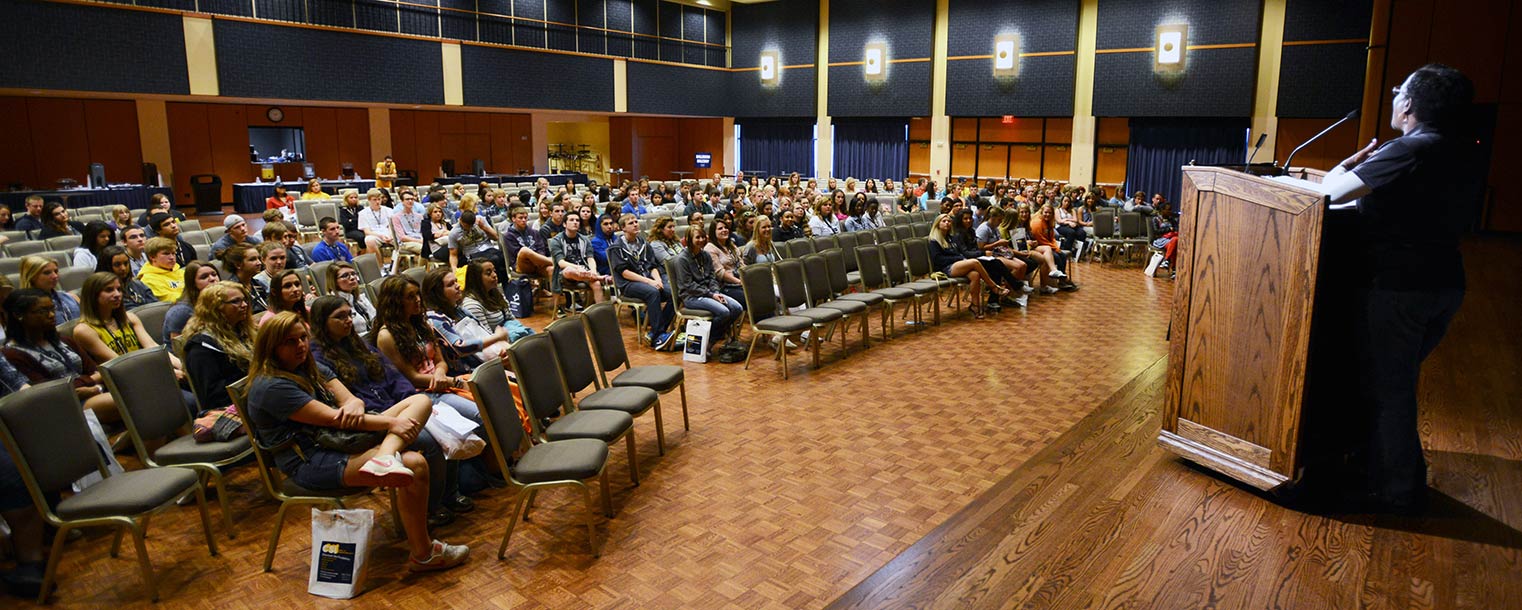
x=314 y=191
x=726 y=259
x=863 y=214
x=242 y=263
x=1042 y=231
x=31 y=221
x=402 y=334
x=472 y=240
x=42 y=273
x=1016 y=229
x=990 y=242
x=220 y=342
x=466 y=342
x=332 y=246
x=133 y=239
x=96 y=236
x=135 y=294
x=237 y=233
x=698 y=204
x=492 y=205
x=959 y=244
x=282 y=201
x=552 y=225
x=161 y=274
x=1070 y=227
x=348 y=216
x=663 y=240
x=601 y=238
x=761 y=249
x=197 y=277
x=1167 y=234
x=285 y=294
x=407 y=225
x=823 y=222
x=788 y=227
x=107 y=330
x=272 y=257
x=638 y=275
x=1138 y=203
x=700 y=286
x=337 y=346
x=527 y=249
x=435 y=233
x=485 y=302
x=296 y=256
x=343 y=281
x=56 y=222
x=33 y=346
x=164 y=225
x=375 y=222
x=574 y=252
x=289 y=394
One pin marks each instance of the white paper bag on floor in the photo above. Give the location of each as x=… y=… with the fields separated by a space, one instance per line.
x=697 y=340
x=340 y=550
x=454 y=432
x=1157 y=259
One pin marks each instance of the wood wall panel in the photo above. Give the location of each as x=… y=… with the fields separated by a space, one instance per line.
x=404 y=139
x=1025 y=161
x=59 y=140
x=228 y=127
x=113 y=139
x=522 y=145
x=189 y=145
x=16 y=160
x=964 y=159
x=1058 y=161
x=695 y=136
x=354 y=140
x=428 y=152
x=657 y=146
x=422 y=139
x=320 y=126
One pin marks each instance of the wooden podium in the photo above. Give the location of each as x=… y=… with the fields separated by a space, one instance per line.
x=1249 y=254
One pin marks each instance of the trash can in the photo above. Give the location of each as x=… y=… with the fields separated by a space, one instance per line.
x=207 y=192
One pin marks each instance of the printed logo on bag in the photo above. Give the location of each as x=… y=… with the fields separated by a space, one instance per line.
x=336 y=563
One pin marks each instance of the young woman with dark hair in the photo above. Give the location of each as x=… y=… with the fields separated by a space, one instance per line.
x=95 y=237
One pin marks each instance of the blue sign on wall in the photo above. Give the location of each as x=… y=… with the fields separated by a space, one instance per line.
x=703 y=160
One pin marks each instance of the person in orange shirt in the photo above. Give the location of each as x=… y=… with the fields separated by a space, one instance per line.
x=283 y=201
x=1043 y=233
x=385 y=173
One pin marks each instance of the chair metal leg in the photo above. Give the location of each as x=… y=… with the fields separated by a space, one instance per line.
x=116 y=543
x=211 y=541
x=215 y=476
x=660 y=429
x=396 y=513
x=52 y=570
x=142 y=556
x=607 y=497
x=682 y=387
x=269 y=554
x=633 y=463
x=512 y=520
x=586 y=492
x=782 y=355
x=752 y=350
x=528 y=503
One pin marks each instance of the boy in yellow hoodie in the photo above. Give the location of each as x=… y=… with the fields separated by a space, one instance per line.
x=162 y=275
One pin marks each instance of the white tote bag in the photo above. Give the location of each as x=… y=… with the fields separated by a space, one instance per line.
x=697 y=340
x=454 y=432
x=340 y=550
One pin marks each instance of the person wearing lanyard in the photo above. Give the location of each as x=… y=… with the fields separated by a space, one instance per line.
x=824 y=223
x=1415 y=195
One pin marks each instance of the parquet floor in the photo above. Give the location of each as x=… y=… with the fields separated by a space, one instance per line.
x=783 y=494
x=1104 y=518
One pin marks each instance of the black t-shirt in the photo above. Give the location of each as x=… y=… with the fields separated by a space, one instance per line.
x=271 y=402
x=1425 y=194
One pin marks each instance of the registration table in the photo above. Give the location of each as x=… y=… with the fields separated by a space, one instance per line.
x=133 y=196
x=249 y=197
x=554 y=179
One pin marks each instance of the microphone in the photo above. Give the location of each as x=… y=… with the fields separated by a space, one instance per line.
x=1350 y=115
x=1255 y=147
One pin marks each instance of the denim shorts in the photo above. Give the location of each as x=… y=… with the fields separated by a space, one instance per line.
x=323 y=469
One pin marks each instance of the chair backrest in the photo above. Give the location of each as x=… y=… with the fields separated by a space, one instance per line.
x=214 y=233
x=143 y=384
x=152 y=317
x=917 y=252
x=533 y=360
x=1104 y=225
x=488 y=383
x=885 y=235
x=871 y=267
x=782 y=249
x=196 y=238
x=577 y=367
x=306 y=213
x=324 y=210
x=369 y=267
x=319 y=272
x=800 y=247
x=375 y=289
x=816 y=276
x=44 y=429
x=921 y=229
x=203 y=252
x=26 y=248
x=822 y=243
x=65 y=259
x=896 y=219
x=674 y=280
x=10 y=265
x=268 y=473
x=416 y=273
x=72 y=279
x=846 y=241
x=790 y=282
x=903 y=232
x=760 y=299
x=14 y=237
x=835 y=267
x=1130 y=224
x=63 y=243
x=893 y=263
x=607 y=339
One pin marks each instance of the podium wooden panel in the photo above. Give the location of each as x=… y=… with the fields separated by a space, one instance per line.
x=1246 y=272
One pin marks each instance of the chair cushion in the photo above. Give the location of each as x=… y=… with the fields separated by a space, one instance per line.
x=605 y=426
x=863 y=297
x=896 y=293
x=921 y=287
x=847 y=307
x=290 y=488
x=629 y=399
x=659 y=377
x=128 y=493
x=568 y=460
x=819 y=315
x=185 y=450
x=701 y=314
x=785 y=324
x=853 y=277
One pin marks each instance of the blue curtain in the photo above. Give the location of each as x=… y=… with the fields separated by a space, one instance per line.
x=871 y=148
x=1160 y=147
x=773 y=147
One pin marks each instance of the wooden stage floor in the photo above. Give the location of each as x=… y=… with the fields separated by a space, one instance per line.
x=1009 y=462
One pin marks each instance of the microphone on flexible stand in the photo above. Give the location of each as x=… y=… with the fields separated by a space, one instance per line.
x=1353 y=114
x=1255 y=147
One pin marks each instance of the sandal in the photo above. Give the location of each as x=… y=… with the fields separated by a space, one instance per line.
x=977 y=313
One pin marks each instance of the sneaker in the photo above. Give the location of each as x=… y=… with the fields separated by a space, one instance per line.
x=1048 y=290
x=993 y=307
x=389 y=467
x=1022 y=300
x=1067 y=287
x=442 y=557
x=663 y=341
x=1027 y=288
x=1057 y=273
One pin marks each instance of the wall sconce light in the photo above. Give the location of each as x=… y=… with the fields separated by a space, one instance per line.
x=1006 y=55
x=1172 y=41
x=875 y=62
x=771 y=68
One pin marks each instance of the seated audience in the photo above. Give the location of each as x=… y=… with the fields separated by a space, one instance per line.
x=164 y=225
x=435 y=234
x=113 y=259
x=34 y=347
x=197 y=277
x=31 y=221
x=573 y=251
x=726 y=259
x=485 y=302
x=237 y=233
x=220 y=342
x=282 y=201
x=700 y=287
x=42 y=273
x=529 y=252
x=95 y=237
x=638 y=275
x=56 y=222
x=824 y=222
x=663 y=242
x=473 y=240
x=242 y=263
x=285 y=294
x=761 y=249
x=343 y=281
x=466 y=342
x=332 y=246
x=314 y=191
x=107 y=330
x=162 y=275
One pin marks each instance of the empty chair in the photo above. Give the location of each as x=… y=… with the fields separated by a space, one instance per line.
x=19 y=249
x=608 y=347
x=65 y=259
x=203 y=251
x=215 y=232
x=873 y=280
x=816 y=277
x=10 y=265
x=795 y=299
x=798 y=248
x=761 y=304
x=884 y=235
x=898 y=276
x=12 y=237
x=551 y=412
x=319 y=271
x=45 y=431
x=579 y=370
x=903 y=231
x=152 y=317
x=196 y=238
x=569 y=462
x=139 y=380
x=822 y=243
